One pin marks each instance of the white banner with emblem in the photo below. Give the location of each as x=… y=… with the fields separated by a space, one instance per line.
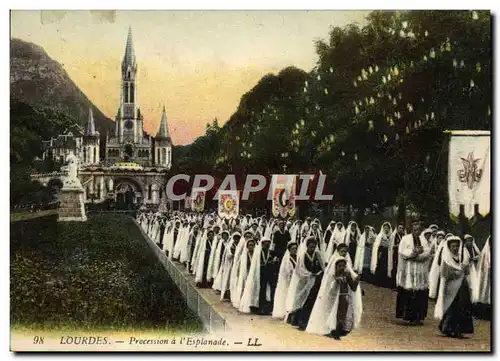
x=469 y=172
x=228 y=204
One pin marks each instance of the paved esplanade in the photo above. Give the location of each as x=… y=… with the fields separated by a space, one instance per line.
x=379 y=330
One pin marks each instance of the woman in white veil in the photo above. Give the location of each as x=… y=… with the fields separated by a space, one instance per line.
x=337 y=237
x=295 y=235
x=359 y=260
x=227 y=264
x=482 y=294
x=393 y=253
x=244 y=268
x=218 y=259
x=352 y=237
x=324 y=302
x=284 y=277
x=168 y=240
x=188 y=249
x=434 y=272
x=327 y=235
x=168 y=243
x=338 y=308
x=454 y=302
x=181 y=240
x=304 y=285
x=315 y=231
x=380 y=255
x=235 y=269
x=250 y=298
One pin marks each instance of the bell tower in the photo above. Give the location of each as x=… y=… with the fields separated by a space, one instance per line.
x=129 y=127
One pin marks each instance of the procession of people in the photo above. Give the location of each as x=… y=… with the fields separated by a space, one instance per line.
x=312 y=278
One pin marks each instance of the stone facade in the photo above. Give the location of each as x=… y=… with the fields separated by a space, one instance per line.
x=134 y=165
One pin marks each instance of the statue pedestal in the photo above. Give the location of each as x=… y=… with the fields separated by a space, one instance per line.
x=72 y=206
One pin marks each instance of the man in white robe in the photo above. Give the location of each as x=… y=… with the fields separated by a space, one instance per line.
x=412 y=277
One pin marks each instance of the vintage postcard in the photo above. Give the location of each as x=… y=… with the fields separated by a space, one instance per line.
x=287 y=181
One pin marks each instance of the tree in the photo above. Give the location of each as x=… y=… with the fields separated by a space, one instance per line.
x=371 y=114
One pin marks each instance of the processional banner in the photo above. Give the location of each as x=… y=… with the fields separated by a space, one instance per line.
x=198 y=199
x=228 y=204
x=283 y=195
x=469 y=172
x=187 y=203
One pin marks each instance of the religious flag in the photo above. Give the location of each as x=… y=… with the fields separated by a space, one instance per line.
x=469 y=172
x=198 y=199
x=283 y=195
x=228 y=204
x=187 y=203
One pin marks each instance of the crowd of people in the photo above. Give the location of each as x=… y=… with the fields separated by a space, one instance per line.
x=310 y=277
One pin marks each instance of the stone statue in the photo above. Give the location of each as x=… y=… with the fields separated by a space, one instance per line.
x=72 y=179
x=72 y=207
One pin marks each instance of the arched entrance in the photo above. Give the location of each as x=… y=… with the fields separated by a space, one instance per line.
x=127 y=194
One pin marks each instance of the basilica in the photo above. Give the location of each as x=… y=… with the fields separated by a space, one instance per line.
x=134 y=167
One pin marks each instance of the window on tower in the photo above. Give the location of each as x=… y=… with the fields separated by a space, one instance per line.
x=131 y=97
x=125 y=92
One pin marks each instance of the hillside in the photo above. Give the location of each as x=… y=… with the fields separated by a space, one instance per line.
x=38 y=80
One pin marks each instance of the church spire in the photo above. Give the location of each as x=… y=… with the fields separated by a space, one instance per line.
x=163 y=131
x=90 y=126
x=129 y=57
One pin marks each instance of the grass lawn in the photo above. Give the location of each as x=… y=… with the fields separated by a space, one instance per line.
x=94 y=275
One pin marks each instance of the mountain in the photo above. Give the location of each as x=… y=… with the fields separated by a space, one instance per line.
x=38 y=80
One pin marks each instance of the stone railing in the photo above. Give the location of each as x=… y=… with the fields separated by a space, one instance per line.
x=212 y=320
x=48 y=175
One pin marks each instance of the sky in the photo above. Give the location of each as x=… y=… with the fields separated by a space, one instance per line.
x=197 y=63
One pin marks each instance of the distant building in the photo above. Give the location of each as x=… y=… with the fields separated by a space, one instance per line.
x=59 y=148
x=133 y=171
